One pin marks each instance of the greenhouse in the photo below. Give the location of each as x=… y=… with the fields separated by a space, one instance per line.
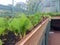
x=29 y=22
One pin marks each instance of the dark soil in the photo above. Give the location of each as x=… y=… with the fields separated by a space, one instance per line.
x=11 y=38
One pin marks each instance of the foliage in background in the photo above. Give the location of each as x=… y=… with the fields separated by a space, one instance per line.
x=35 y=19
x=54 y=13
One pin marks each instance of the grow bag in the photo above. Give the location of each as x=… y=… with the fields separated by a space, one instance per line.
x=55 y=24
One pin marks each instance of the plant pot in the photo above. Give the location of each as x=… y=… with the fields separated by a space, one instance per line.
x=35 y=35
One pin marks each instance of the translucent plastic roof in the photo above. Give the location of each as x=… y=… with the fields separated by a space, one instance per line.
x=30 y=6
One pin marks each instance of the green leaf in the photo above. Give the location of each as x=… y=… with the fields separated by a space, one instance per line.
x=2 y=25
x=0 y=42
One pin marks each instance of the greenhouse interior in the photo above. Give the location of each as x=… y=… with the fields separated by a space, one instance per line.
x=29 y=22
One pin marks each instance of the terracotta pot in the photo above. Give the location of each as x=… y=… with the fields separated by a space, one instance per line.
x=35 y=35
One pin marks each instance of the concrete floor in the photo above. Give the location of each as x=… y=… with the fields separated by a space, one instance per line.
x=54 y=38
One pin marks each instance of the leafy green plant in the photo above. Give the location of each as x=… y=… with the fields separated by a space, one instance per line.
x=2 y=25
x=0 y=42
x=20 y=25
x=14 y=25
x=35 y=19
x=24 y=25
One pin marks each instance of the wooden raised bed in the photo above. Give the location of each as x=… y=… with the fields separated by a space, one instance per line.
x=35 y=36
x=55 y=17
